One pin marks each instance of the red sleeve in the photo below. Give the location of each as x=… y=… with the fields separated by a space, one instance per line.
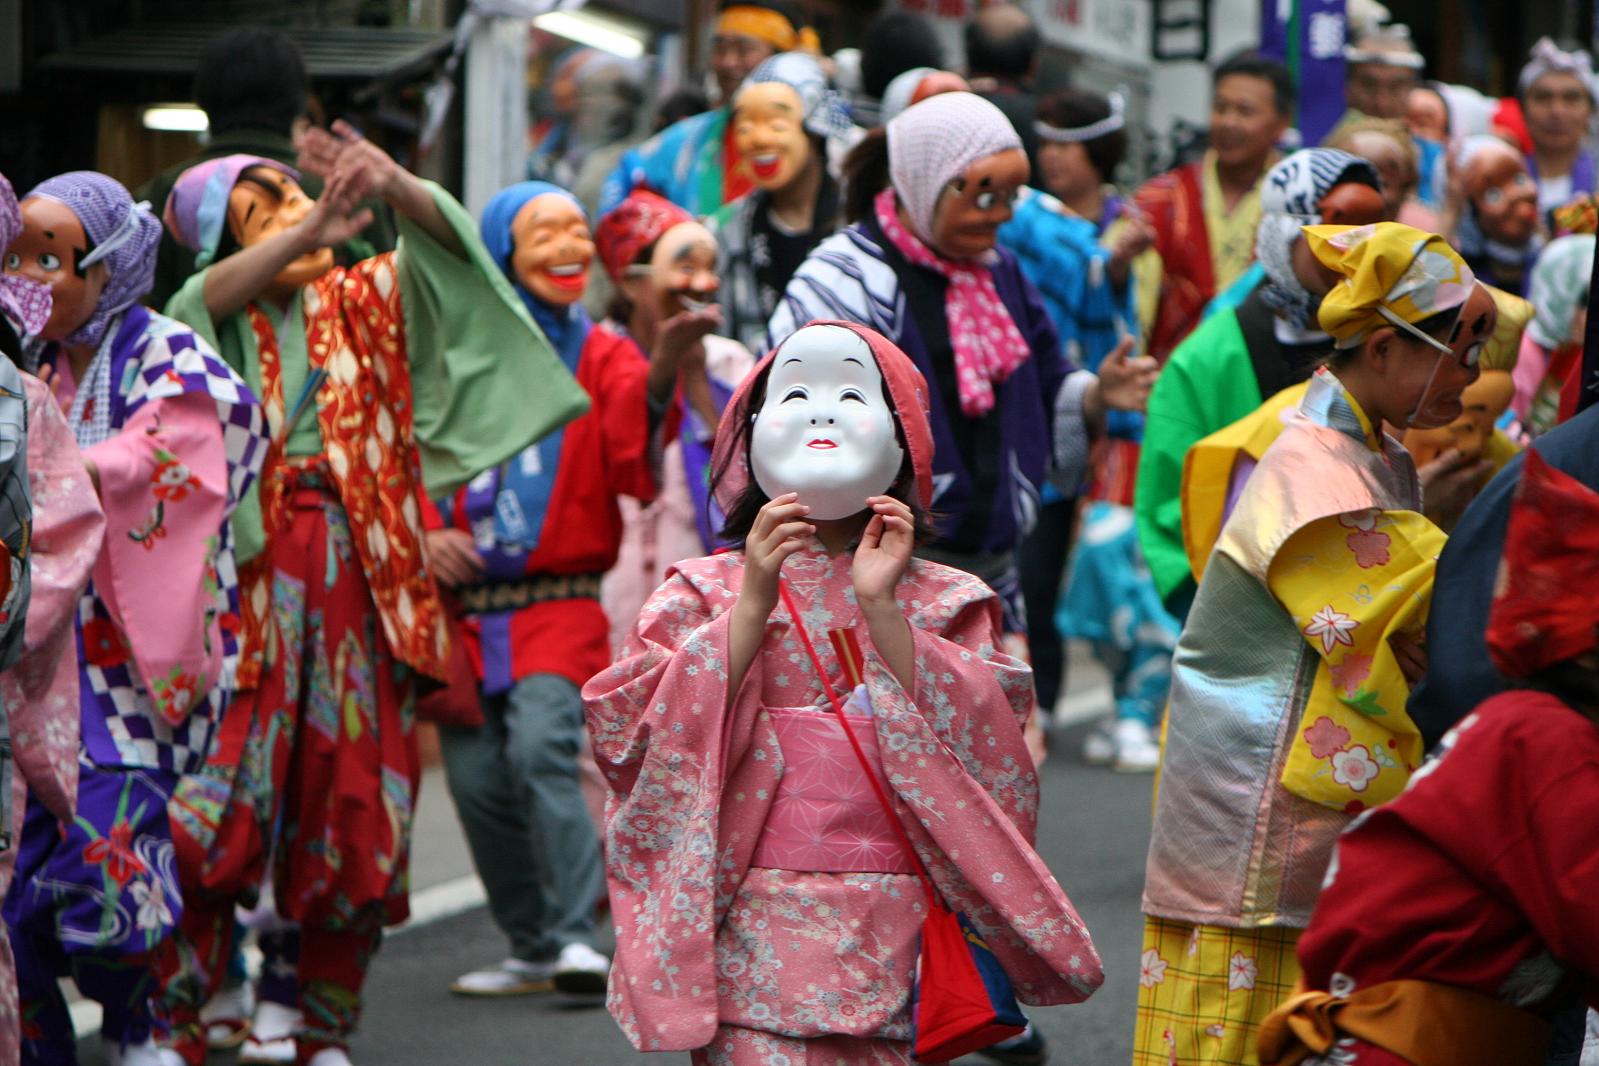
x=616 y=374
x=1516 y=804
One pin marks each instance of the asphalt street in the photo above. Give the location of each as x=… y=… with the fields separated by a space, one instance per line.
x=1094 y=829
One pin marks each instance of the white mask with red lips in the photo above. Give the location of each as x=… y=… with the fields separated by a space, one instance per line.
x=824 y=430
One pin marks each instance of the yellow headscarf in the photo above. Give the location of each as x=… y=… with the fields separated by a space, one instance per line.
x=1388 y=269
x=765 y=24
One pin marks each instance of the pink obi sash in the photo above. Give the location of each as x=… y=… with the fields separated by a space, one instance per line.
x=824 y=818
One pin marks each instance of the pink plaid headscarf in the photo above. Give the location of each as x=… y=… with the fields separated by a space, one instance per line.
x=930 y=145
x=24 y=301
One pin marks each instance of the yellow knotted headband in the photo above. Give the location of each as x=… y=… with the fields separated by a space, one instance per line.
x=767 y=25
x=1389 y=272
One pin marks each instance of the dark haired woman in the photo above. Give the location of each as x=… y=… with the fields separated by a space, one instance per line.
x=746 y=930
x=1323 y=572
x=663 y=266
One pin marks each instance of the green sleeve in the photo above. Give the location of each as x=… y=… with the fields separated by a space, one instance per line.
x=485 y=382
x=234 y=340
x=1206 y=385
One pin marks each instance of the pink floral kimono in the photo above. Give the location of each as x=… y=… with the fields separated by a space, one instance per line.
x=40 y=691
x=762 y=905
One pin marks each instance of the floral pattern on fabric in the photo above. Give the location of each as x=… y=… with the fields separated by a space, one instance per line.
x=692 y=775
x=1209 y=989
x=355 y=331
x=1351 y=582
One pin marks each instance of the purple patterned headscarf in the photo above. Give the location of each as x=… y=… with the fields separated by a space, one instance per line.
x=24 y=301
x=197 y=210
x=121 y=233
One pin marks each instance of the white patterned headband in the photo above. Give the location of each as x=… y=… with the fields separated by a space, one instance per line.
x=1094 y=130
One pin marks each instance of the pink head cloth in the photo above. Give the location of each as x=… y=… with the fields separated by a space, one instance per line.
x=906 y=388
x=196 y=211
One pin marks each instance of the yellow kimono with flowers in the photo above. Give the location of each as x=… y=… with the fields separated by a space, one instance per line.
x=1287 y=717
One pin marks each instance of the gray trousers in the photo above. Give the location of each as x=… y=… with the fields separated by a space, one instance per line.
x=514 y=781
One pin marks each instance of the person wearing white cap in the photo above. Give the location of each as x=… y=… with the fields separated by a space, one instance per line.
x=1557 y=90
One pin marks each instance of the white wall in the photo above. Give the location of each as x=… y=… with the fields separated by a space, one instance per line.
x=1182 y=90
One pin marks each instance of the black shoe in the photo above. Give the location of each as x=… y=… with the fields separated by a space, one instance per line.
x=1030 y=1050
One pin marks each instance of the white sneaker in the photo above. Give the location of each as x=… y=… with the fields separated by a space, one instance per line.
x=1137 y=750
x=226 y=1017
x=1099 y=749
x=271 y=1039
x=581 y=970
x=509 y=977
x=330 y=1056
x=148 y=1053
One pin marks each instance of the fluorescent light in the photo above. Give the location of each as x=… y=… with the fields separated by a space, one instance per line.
x=176 y=118
x=625 y=39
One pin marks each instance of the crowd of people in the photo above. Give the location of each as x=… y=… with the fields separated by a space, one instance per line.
x=1297 y=440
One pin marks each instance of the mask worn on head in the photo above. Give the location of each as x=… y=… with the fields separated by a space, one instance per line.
x=552 y=249
x=255 y=215
x=1483 y=401
x=1503 y=196
x=49 y=249
x=825 y=431
x=1440 y=402
x=683 y=269
x=769 y=131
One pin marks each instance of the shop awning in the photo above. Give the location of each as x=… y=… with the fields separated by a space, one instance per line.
x=352 y=53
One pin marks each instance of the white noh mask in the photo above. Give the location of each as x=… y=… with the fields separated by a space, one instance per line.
x=825 y=431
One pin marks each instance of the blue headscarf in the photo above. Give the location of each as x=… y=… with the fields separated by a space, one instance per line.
x=566 y=327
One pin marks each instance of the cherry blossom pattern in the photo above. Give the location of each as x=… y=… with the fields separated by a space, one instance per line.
x=1354 y=768
x=176 y=694
x=1370 y=547
x=172 y=480
x=1350 y=672
x=1326 y=737
x=1333 y=627
x=115 y=853
x=1241 y=972
x=1151 y=969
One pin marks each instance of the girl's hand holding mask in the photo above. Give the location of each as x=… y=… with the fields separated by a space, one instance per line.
x=883 y=554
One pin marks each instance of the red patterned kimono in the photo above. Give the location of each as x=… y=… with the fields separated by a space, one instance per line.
x=1174 y=205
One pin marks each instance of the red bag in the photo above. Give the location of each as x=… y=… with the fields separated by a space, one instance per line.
x=962 y=999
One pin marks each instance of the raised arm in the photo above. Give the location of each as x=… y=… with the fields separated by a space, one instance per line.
x=248 y=273
x=371 y=172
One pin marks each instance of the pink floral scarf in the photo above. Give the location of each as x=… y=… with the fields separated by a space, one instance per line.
x=987 y=344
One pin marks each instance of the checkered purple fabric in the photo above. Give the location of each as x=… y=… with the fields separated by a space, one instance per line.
x=126 y=731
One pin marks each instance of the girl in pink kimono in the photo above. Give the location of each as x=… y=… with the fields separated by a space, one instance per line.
x=765 y=912
x=51 y=530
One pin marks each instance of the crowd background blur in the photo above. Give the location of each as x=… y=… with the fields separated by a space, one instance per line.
x=78 y=81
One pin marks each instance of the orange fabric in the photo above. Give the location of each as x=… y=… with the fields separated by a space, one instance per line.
x=354 y=329
x=767 y=25
x=1427 y=1023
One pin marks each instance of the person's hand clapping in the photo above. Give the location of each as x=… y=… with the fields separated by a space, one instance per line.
x=334 y=218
